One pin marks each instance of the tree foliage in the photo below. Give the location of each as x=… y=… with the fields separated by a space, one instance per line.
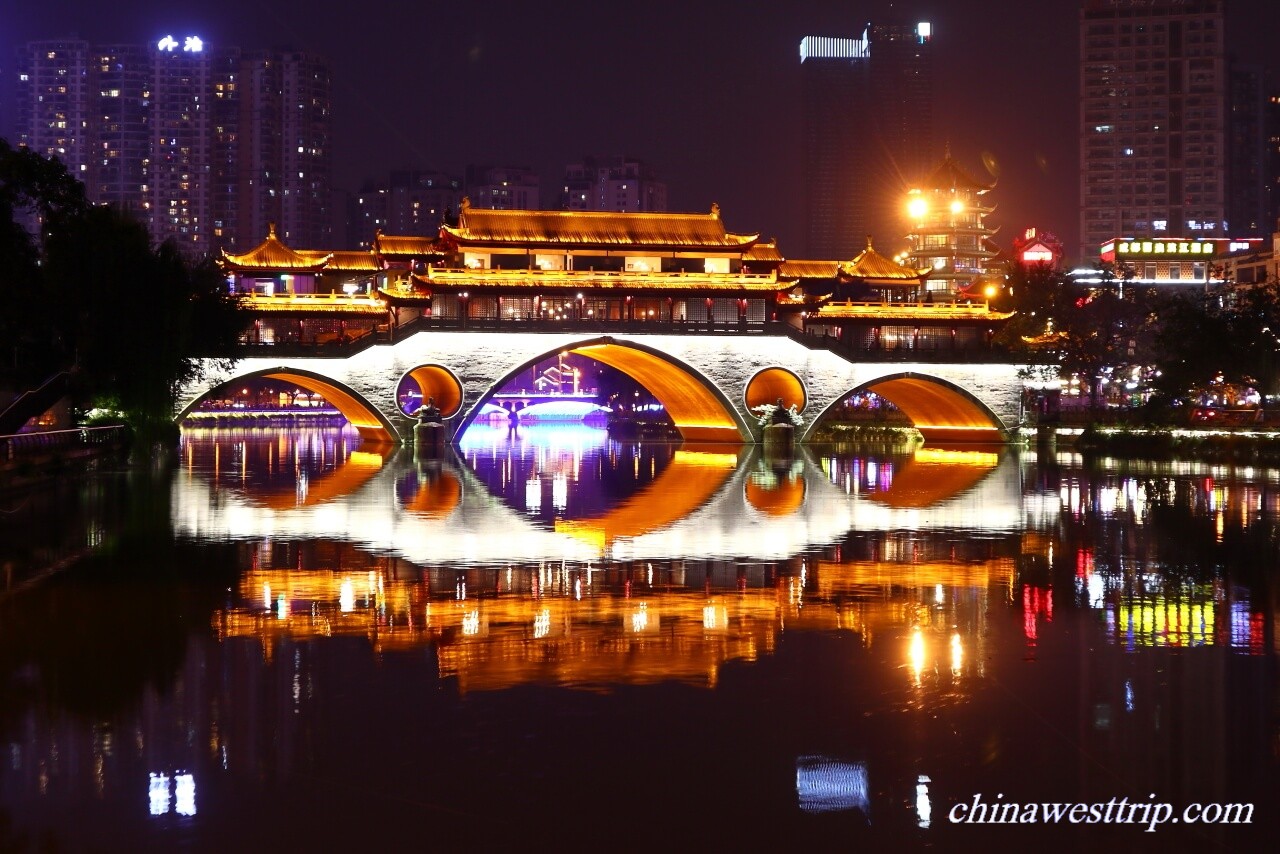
x=1225 y=337
x=86 y=291
x=1089 y=328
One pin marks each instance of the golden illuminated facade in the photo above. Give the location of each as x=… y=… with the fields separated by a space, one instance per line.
x=875 y=303
x=674 y=271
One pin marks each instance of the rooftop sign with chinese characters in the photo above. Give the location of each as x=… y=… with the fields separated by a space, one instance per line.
x=190 y=44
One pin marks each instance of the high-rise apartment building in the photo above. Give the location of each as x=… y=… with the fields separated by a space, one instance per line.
x=619 y=184
x=1246 y=196
x=419 y=199
x=54 y=103
x=285 y=162
x=1153 y=120
x=1271 y=122
x=121 y=144
x=503 y=188
x=171 y=132
x=868 y=116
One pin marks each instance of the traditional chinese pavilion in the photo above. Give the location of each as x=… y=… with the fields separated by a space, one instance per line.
x=949 y=233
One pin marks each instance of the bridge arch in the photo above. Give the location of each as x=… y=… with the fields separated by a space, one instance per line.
x=698 y=408
x=363 y=415
x=436 y=382
x=941 y=410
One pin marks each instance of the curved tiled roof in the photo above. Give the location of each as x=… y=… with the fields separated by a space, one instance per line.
x=408 y=246
x=569 y=229
x=273 y=255
x=809 y=269
x=871 y=265
x=344 y=261
x=949 y=175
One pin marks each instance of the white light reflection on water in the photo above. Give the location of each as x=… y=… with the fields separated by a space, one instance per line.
x=722 y=526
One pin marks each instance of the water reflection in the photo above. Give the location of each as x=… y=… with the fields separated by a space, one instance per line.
x=843 y=644
x=592 y=499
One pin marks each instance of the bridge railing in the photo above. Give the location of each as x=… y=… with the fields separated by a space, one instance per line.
x=19 y=445
x=974 y=352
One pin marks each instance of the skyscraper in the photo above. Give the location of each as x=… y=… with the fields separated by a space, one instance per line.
x=169 y=132
x=868 y=132
x=1153 y=119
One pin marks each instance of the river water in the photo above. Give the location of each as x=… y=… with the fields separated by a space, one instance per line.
x=551 y=640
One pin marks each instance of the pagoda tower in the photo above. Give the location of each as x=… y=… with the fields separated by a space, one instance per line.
x=949 y=234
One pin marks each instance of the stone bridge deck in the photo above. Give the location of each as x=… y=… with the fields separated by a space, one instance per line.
x=708 y=383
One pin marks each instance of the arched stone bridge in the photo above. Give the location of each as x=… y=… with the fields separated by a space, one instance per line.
x=706 y=383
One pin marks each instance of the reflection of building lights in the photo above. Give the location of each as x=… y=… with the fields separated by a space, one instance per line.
x=533 y=495
x=560 y=492
x=158 y=794
x=640 y=618
x=1163 y=623
x=542 y=624
x=915 y=653
x=184 y=789
x=266 y=596
x=923 y=808
x=827 y=785
x=957 y=654
x=347 y=596
x=715 y=617
x=471 y=623
x=282 y=608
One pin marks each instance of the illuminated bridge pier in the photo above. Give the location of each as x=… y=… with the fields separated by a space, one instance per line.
x=708 y=384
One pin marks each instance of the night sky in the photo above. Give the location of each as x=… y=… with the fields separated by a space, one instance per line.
x=705 y=90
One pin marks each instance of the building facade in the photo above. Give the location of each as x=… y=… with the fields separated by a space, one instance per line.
x=1153 y=120
x=205 y=144
x=867 y=106
x=618 y=184
x=504 y=188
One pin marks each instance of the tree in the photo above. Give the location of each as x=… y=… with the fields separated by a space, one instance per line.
x=1224 y=337
x=132 y=321
x=1091 y=328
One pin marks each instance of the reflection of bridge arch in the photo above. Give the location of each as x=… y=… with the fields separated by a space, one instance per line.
x=687 y=483
x=698 y=408
x=941 y=410
x=442 y=529
x=364 y=416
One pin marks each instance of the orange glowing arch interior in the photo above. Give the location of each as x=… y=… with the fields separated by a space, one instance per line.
x=773 y=383
x=362 y=417
x=697 y=413
x=938 y=411
x=439 y=383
